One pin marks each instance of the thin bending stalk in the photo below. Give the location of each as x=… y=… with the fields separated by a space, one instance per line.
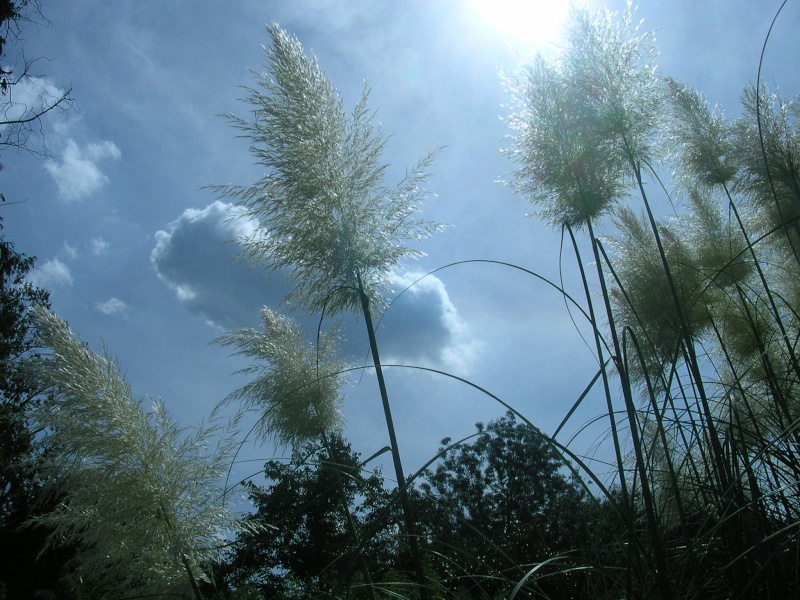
x=351 y=526
x=692 y=362
x=192 y=580
x=184 y=561
x=630 y=408
x=724 y=475
x=398 y=466
x=626 y=501
x=623 y=484
x=757 y=264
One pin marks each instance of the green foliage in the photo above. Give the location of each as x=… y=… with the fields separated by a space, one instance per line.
x=502 y=502
x=698 y=313
x=16 y=340
x=297 y=390
x=695 y=320
x=323 y=210
x=580 y=121
x=23 y=571
x=303 y=548
x=138 y=494
x=489 y=509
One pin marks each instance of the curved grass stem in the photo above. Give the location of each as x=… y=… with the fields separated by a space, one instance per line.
x=410 y=527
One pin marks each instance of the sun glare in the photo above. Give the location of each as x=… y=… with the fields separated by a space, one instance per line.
x=524 y=21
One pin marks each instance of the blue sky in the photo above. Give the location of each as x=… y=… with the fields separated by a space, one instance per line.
x=139 y=256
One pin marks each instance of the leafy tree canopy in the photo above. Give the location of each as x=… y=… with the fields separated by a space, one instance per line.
x=502 y=501
x=304 y=548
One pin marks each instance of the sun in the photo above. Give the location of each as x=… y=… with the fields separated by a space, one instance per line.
x=532 y=22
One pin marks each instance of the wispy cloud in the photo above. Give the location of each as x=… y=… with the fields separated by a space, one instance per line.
x=72 y=252
x=112 y=306
x=50 y=274
x=99 y=246
x=28 y=97
x=77 y=174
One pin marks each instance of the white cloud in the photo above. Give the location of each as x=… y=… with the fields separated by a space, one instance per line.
x=184 y=292
x=51 y=273
x=194 y=260
x=99 y=246
x=423 y=323
x=29 y=97
x=72 y=253
x=77 y=174
x=195 y=257
x=112 y=306
x=225 y=215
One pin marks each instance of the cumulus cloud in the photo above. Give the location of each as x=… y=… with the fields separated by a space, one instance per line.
x=195 y=257
x=112 y=306
x=77 y=174
x=423 y=324
x=50 y=274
